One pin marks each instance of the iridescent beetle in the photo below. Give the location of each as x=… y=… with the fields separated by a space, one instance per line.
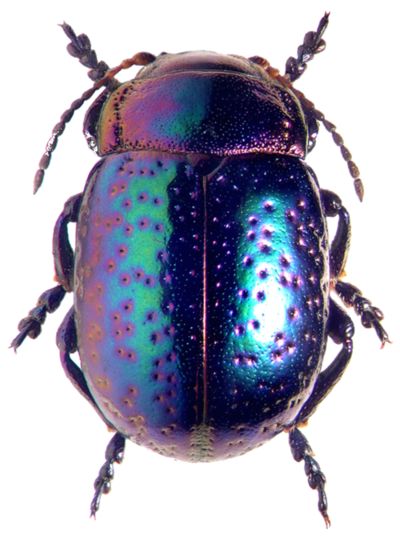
x=202 y=272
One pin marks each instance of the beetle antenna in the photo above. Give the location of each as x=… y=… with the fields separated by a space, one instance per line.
x=346 y=154
x=81 y=48
x=318 y=115
x=312 y=44
x=139 y=59
x=337 y=138
x=295 y=67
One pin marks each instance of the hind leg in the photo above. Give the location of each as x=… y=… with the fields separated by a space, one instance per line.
x=102 y=485
x=302 y=451
x=67 y=344
x=340 y=330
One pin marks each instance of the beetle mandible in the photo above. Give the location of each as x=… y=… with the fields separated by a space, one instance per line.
x=202 y=271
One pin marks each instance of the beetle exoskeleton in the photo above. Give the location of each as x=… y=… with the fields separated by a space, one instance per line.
x=202 y=274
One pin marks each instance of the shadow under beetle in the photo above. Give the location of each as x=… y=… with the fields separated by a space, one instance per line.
x=202 y=272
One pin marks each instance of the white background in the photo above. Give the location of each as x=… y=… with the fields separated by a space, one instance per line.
x=51 y=442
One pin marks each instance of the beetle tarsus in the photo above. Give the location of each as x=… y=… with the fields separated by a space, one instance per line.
x=51 y=299
x=370 y=316
x=31 y=325
x=302 y=451
x=102 y=485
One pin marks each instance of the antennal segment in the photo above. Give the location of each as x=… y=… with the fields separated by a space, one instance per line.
x=337 y=138
x=81 y=48
x=312 y=44
x=346 y=154
x=139 y=59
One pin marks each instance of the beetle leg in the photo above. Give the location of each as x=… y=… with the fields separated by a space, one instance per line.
x=62 y=250
x=350 y=295
x=302 y=451
x=370 y=315
x=340 y=329
x=312 y=44
x=31 y=325
x=51 y=299
x=340 y=245
x=67 y=344
x=102 y=485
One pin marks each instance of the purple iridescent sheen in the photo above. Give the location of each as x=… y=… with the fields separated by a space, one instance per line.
x=201 y=280
x=200 y=298
x=201 y=103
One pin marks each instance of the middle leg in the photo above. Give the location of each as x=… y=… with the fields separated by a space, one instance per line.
x=370 y=316
x=50 y=300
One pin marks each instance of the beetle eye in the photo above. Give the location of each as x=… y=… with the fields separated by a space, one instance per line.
x=92 y=120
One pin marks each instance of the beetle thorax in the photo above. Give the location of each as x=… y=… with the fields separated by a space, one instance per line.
x=201 y=103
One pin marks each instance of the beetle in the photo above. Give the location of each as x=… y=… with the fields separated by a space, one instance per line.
x=202 y=273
